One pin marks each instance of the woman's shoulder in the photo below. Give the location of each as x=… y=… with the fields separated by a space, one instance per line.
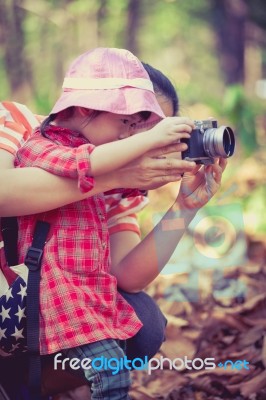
x=17 y=122
x=122 y=204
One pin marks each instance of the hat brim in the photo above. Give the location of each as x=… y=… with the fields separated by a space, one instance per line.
x=125 y=101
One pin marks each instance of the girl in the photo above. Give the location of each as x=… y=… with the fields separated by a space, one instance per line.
x=107 y=95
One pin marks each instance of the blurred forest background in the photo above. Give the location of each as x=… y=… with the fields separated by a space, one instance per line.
x=214 y=51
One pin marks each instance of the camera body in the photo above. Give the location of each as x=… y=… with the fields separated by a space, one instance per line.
x=208 y=141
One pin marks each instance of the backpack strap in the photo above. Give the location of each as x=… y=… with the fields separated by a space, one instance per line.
x=33 y=261
x=9 y=229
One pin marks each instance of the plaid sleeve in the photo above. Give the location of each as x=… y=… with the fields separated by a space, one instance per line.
x=121 y=209
x=16 y=125
x=58 y=159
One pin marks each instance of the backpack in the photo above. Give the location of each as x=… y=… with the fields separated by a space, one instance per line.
x=19 y=297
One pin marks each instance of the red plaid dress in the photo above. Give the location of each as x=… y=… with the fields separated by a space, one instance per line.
x=79 y=299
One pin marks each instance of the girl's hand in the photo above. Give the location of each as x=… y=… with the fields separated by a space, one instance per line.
x=198 y=186
x=170 y=130
x=154 y=169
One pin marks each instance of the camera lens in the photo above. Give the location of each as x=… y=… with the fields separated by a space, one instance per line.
x=219 y=142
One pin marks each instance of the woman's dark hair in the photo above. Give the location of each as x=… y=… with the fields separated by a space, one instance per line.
x=46 y=123
x=162 y=85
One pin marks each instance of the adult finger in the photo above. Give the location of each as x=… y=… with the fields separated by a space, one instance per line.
x=211 y=181
x=174 y=150
x=223 y=163
x=159 y=181
x=172 y=164
x=219 y=167
x=169 y=178
x=217 y=173
x=195 y=169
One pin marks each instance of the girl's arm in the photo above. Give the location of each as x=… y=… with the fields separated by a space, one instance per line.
x=33 y=190
x=137 y=263
x=110 y=156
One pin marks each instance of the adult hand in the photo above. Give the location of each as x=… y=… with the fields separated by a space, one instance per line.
x=199 y=185
x=155 y=168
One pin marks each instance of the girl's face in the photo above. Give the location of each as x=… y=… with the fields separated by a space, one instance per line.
x=107 y=127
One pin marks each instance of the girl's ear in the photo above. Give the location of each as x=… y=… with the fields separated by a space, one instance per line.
x=84 y=112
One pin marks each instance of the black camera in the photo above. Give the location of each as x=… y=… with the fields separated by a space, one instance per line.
x=208 y=141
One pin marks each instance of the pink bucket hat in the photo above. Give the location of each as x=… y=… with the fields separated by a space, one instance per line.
x=109 y=79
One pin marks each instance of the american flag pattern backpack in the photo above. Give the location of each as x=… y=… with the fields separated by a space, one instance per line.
x=19 y=320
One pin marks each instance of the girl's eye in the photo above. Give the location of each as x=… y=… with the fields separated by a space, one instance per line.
x=133 y=125
x=125 y=121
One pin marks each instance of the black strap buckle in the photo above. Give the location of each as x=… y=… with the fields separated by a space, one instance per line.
x=33 y=258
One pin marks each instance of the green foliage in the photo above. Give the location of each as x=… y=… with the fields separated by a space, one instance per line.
x=241 y=112
x=255 y=208
x=185 y=46
x=4 y=86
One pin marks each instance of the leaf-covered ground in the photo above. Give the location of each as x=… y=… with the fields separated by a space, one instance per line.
x=227 y=323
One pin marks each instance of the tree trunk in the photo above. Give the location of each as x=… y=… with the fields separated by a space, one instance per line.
x=101 y=17
x=229 y=20
x=133 y=22
x=12 y=39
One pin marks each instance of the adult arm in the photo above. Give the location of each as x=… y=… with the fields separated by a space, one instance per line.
x=136 y=263
x=32 y=190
